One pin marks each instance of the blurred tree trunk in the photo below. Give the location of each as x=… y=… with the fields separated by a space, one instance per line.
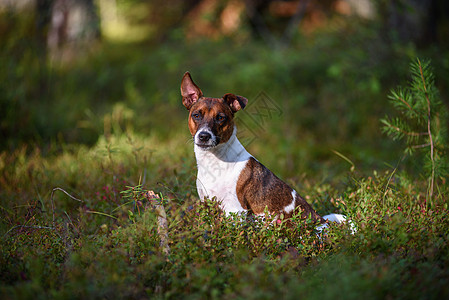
x=255 y=10
x=43 y=17
x=75 y=24
x=416 y=21
x=167 y=16
x=284 y=16
x=294 y=22
x=43 y=10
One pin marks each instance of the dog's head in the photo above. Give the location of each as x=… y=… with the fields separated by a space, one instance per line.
x=211 y=120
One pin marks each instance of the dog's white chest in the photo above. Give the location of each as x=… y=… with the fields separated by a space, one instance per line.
x=219 y=171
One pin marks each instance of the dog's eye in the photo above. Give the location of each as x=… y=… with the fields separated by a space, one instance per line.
x=221 y=118
x=196 y=116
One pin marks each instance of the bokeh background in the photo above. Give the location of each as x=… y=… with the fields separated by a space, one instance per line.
x=75 y=71
x=91 y=119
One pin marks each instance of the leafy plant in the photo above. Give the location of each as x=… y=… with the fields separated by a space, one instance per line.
x=422 y=121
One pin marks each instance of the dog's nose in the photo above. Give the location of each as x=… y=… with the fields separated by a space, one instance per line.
x=204 y=136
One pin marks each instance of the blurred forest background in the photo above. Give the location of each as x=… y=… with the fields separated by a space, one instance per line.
x=73 y=71
x=91 y=118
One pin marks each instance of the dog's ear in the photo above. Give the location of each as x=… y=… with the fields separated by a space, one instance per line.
x=190 y=91
x=236 y=102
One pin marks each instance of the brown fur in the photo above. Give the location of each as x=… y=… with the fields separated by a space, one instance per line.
x=258 y=187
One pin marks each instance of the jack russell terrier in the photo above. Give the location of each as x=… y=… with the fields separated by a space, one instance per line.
x=225 y=169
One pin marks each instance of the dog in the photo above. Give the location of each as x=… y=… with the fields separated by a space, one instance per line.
x=226 y=171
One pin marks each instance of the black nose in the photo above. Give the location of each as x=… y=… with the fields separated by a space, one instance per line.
x=204 y=136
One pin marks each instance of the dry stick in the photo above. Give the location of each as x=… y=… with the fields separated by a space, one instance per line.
x=162 y=227
x=53 y=209
x=162 y=223
x=53 y=203
x=432 y=179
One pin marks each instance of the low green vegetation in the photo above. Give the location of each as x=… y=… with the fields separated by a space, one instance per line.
x=84 y=143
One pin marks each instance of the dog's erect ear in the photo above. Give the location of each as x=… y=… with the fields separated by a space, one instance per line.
x=190 y=91
x=236 y=102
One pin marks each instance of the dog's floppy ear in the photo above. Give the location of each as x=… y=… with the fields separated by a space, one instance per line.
x=236 y=102
x=190 y=91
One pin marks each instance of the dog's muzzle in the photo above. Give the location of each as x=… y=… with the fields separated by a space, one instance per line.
x=204 y=138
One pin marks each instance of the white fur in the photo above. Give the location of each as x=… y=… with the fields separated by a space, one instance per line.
x=219 y=169
x=213 y=139
x=337 y=218
x=289 y=208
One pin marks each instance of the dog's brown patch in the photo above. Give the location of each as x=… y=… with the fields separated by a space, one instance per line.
x=258 y=187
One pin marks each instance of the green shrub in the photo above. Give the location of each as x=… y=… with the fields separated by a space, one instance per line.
x=422 y=123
